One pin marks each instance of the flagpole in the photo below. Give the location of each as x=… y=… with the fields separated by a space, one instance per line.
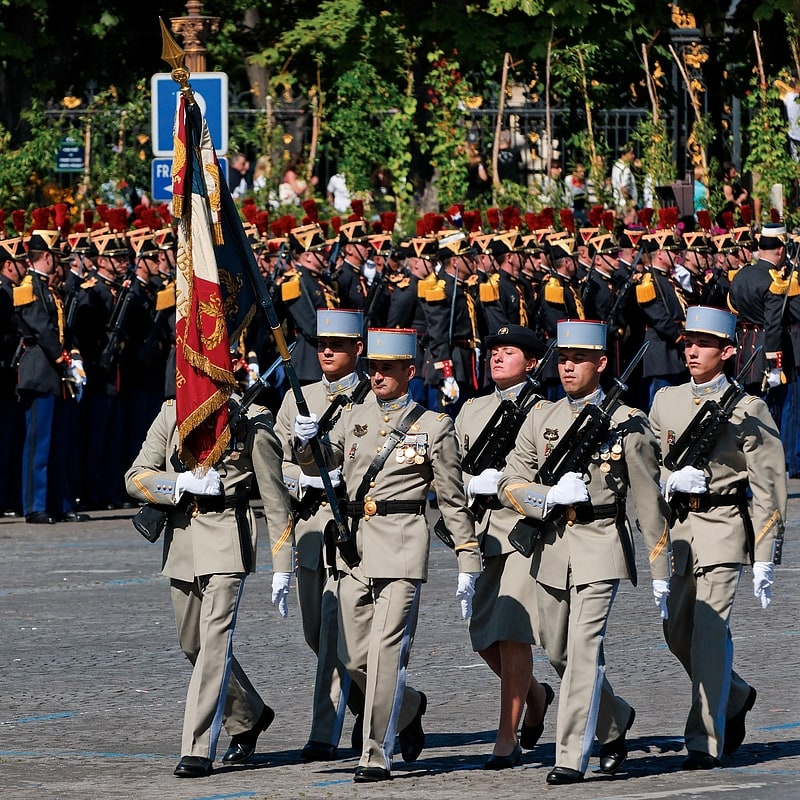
x=174 y=56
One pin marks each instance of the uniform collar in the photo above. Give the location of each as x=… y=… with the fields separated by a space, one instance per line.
x=397 y=404
x=341 y=385
x=595 y=398
x=512 y=393
x=718 y=384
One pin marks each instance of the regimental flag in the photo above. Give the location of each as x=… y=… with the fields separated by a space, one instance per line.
x=214 y=297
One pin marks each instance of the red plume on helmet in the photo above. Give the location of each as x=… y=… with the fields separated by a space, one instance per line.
x=727 y=219
x=358 y=209
x=472 y=221
x=774 y=215
x=704 y=220
x=41 y=218
x=547 y=217
x=595 y=216
x=746 y=213
x=88 y=218
x=249 y=210
x=18 y=220
x=60 y=215
x=117 y=219
x=609 y=220
x=163 y=212
x=310 y=207
x=668 y=217
x=493 y=218
x=532 y=221
x=336 y=224
x=262 y=222
x=388 y=220
x=567 y=219
x=645 y=216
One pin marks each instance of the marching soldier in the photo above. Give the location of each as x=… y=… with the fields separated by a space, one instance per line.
x=390 y=451
x=504 y=296
x=355 y=247
x=585 y=547
x=47 y=373
x=504 y=623
x=716 y=531
x=304 y=288
x=339 y=347
x=210 y=543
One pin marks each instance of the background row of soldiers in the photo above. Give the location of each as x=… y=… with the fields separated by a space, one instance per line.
x=453 y=283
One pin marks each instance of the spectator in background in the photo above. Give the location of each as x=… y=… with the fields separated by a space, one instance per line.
x=293 y=189
x=623 y=183
x=338 y=193
x=791 y=100
x=478 y=183
x=261 y=173
x=576 y=188
x=552 y=189
x=700 y=189
x=735 y=194
x=509 y=161
x=380 y=183
x=238 y=167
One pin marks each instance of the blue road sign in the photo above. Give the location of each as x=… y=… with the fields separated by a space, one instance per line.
x=210 y=91
x=161 y=178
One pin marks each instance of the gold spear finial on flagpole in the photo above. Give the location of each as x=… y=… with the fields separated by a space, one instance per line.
x=172 y=53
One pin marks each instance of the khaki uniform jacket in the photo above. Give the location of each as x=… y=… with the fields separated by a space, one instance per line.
x=593 y=551
x=747 y=448
x=496 y=524
x=212 y=543
x=396 y=545
x=308 y=532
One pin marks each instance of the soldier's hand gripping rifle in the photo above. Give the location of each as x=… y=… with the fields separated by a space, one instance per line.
x=493 y=444
x=312 y=499
x=174 y=56
x=573 y=454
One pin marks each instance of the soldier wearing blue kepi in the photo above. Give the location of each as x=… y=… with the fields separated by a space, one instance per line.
x=390 y=450
x=716 y=529
x=584 y=548
x=339 y=347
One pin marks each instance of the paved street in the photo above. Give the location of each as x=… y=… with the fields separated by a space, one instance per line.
x=93 y=686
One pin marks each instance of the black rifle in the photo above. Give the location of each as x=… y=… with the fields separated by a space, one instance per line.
x=372 y=299
x=693 y=448
x=15 y=359
x=614 y=320
x=312 y=499
x=493 y=444
x=151 y=518
x=573 y=454
x=116 y=325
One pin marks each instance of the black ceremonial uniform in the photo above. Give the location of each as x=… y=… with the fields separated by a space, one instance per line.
x=13 y=424
x=505 y=300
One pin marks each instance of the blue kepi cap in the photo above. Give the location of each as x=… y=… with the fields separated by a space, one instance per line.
x=582 y=333
x=338 y=323
x=716 y=321
x=388 y=344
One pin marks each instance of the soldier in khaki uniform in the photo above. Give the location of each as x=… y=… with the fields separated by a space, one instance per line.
x=710 y=538
x=209 y=548
x=503 y=623
x=379 y=598
x=338 y=349
x=585 y=547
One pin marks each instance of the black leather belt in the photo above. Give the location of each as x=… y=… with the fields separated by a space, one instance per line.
x=584 y=513
x=702 y=502
x=380 y=508
x=214 y=503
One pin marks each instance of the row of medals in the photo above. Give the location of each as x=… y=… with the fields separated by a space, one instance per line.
x=408 y=454
x=607 y=454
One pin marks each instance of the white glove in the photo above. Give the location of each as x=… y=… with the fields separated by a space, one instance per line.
x=198 y=483
x=661 y=593
x=77 y=374
x=368 y=269
x=305 y=428
x=569 y=490
x=465 y=591
x=253 y=372
x=689 y=480
x=774 y=378
x=683 y=277
x=315 y=481
x=450 y=390
x=485 y=483
x=280 y=591
x=763 y=578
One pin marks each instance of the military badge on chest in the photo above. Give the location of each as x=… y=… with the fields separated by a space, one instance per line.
x=550 y=435
x=609 y=454
x=412 y=450
x=360 y=430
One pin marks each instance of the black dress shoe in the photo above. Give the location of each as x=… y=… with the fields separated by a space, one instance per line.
x=613 y=754
x=562 y=775
x=243 y=745
x=505 y=762
x=357 y=736
x=371 y=775
x=734 y=727
x=697 y=759
x=319 y=751
x=529 y=735
x=39 y=518
x=412 y=737
x=193 y=767
x=73 y=516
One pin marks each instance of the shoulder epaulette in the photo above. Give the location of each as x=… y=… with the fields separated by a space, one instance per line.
x=425 y=285
x=779 y=284
x=732 y=273
x=442 y=416
x=291 y=288
x=540 y=404
x=749 y=399
x=436 y=294
x=554 y=291
x=23 y=294
x=166 y=297
x=469 y=401
x=401 y=282
x=646 y=290
x=489 y=291
x=794 y=285
x=89 y=283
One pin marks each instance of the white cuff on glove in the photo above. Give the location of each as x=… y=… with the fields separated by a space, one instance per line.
x=569 y=490
x=315 y=481
x=450 y=390
x=280 y=591
x=253 y=372
x=305 y=429
x=763 y=578
x=661 y=593
x=198 y=483
x=774 y=378
x=465 y=592
x=689 y=480
x=485 y=483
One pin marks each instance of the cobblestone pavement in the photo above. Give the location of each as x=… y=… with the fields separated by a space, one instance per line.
x=93 y=686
